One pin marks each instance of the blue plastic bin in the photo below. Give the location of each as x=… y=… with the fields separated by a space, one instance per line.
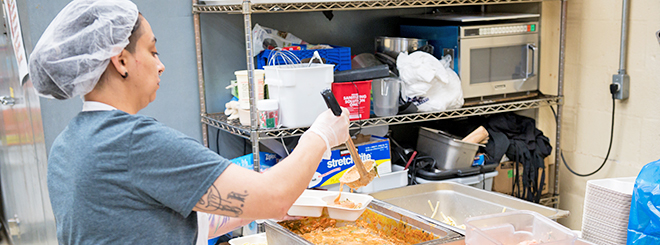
x=338 y=56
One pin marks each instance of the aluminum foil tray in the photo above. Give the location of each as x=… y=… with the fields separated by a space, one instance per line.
x=379 y=215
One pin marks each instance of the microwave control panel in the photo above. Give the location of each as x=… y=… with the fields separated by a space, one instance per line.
x=493 y=30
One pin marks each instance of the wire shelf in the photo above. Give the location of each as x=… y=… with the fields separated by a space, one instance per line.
x=352 y=5
x=549 y=200
x=219 y=120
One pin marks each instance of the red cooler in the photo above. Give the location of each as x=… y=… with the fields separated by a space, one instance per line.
x=356 y=96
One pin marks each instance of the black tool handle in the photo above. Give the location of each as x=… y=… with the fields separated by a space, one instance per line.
x=331 y=101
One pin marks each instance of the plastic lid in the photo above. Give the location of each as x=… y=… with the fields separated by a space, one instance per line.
x=267 y=105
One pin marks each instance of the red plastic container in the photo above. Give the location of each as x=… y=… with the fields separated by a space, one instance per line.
x=356 y=96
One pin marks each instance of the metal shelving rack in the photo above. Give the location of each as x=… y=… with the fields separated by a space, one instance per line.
x=219 y=120
x=254 y=134
x=350 y=5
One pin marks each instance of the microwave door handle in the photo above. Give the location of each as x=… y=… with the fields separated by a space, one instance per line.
x=532 y=47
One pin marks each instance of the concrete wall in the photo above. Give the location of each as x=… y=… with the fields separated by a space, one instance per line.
x=592 y=57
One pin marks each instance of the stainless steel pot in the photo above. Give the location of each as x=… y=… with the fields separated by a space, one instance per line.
x=392 y=46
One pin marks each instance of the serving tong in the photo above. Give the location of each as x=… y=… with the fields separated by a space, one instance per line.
x=366 y=176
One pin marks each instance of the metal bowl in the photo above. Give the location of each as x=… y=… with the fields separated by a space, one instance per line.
x=392 y=46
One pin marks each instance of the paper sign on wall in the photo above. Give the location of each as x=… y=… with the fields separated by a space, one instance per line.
x=16 y=37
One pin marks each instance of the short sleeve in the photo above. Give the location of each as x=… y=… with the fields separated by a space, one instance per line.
x=170 y=168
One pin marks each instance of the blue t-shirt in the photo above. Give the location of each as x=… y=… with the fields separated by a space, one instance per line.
x=116 y=178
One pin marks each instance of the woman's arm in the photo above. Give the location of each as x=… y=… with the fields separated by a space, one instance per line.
x=239 y=192
x=220 y=225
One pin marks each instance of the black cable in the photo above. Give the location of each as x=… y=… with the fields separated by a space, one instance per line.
x=217 y=141
x=411 y=173
x=609 y=148
x=414 y=166
x=245 y=147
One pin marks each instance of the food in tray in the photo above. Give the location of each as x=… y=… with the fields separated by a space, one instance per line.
x=346 y=203
x=445 y=219
x=370 y=228
x=348 y=235
x=313 y=203
x=350 y=178
x=448 y=220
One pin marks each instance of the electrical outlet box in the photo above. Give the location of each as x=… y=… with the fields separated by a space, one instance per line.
x=623 y=80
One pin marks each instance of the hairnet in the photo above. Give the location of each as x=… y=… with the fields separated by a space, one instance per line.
x=76 y=47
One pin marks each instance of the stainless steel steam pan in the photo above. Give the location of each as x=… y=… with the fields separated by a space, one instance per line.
x=277 y=234
x=458 y=202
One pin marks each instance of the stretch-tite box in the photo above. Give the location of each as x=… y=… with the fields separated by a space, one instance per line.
x=329 y=171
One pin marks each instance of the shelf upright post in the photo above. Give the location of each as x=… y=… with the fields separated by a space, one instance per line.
x=560 y=94
x=200 y=73
x=252 y=83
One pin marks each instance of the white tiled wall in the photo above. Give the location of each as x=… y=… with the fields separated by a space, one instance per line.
x=592 y=57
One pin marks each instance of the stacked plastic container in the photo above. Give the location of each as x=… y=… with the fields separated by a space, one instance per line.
x=516 y=227
x=606 y=210
x=312 y=203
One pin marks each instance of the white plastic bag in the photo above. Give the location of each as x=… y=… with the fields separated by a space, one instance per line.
x=265 y=38
x=428 y=82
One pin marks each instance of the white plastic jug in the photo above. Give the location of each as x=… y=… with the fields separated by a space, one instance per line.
x=386 y=96
x=243 y=89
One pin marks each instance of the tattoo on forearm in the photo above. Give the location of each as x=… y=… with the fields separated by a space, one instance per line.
x=218 y=221
x=236 y=196
x=213 y=201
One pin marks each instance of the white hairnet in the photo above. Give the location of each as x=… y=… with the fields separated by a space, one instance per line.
x=76 y=48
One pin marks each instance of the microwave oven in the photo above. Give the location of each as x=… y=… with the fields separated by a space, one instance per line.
x=490 y=59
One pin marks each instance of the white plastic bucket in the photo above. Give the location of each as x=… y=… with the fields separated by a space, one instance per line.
x=244 y=90
x=298 y=89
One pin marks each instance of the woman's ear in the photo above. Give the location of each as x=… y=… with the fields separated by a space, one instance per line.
x=119 y=62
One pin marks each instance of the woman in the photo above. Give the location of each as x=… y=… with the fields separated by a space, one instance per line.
x=116 y=177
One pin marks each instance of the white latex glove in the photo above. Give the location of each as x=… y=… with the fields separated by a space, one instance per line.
x=231 y=110
x=332 y=129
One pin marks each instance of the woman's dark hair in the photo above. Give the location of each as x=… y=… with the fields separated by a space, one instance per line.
x=136 y=33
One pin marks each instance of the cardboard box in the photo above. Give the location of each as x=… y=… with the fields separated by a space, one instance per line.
x=329 y=171
x=504 y=180
x=266 y=160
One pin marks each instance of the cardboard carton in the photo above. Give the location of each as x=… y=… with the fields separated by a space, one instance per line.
x=329 y=171
x=503 y=182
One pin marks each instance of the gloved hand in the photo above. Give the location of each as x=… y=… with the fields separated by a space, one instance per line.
x=332 y=129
